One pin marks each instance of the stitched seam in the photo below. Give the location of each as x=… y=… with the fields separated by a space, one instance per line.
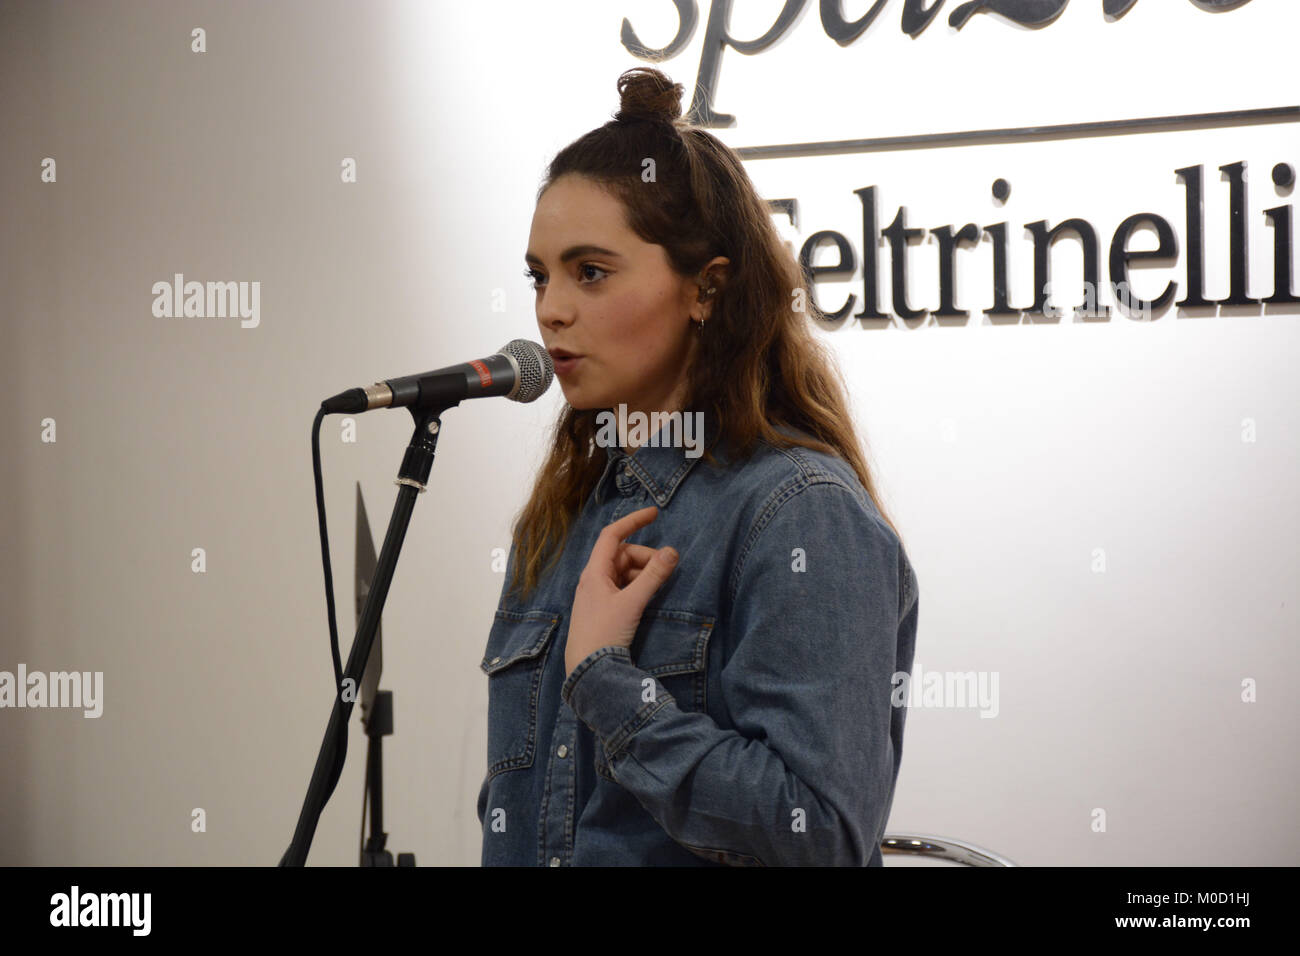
x=571 y=773
x=572 y=680
x=813 y=469
x=909 y=590
x=529 y=653
x=662 y=494
x=517 y=761
x=783 y=493
x=638 y=720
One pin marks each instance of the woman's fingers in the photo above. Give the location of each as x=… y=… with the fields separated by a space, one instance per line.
x=631 y=559
x=605 y=552
x=636 y=555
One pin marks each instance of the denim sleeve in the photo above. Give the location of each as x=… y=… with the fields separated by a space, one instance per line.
x=807 y=776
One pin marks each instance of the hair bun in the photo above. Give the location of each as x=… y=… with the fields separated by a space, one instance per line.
x=648 y=94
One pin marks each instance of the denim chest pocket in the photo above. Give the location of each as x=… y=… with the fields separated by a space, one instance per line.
x=672 y=645
x=515 y=656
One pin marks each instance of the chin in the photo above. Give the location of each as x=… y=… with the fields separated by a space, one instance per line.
x=576 y=402
x=581 y=402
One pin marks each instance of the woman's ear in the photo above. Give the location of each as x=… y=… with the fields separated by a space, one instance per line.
x=712 y=280
x=715 y=274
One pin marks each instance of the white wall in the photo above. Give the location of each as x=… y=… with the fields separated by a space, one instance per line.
x=1011 y=456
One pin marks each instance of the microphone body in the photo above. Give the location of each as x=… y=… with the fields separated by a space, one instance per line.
x=521 y=371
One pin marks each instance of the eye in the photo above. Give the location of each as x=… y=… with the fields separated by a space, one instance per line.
x=538 y=280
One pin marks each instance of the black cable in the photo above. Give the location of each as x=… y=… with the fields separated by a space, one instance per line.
x=325 y=549
x=341 y=741
x=342 y=749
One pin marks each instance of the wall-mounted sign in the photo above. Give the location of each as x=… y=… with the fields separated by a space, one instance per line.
x=886 y=242
x=916 y=16
x=899 y=235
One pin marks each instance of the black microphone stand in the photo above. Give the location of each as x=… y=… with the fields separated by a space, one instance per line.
x=376 y=704
x=412 y=478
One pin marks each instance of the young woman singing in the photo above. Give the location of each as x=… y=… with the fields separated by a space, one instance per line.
x=693 y=661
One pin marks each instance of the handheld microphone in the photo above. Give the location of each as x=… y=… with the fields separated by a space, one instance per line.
x=521 y=371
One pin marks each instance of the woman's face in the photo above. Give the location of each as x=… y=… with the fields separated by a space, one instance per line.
x=608 y=296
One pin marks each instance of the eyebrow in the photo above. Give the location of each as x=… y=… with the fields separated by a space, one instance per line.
x=573 y=252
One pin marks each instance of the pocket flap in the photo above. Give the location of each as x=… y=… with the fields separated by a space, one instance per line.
x=670 y=641
x=517 y=636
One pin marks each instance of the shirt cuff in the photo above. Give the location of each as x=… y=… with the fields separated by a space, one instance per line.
x=605 y=690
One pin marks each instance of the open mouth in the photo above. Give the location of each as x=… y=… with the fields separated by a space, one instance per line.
x=564 y=360
x=565 y=363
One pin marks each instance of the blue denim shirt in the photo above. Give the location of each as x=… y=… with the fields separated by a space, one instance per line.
x=752 y=722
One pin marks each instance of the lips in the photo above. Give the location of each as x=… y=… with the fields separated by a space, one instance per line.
x=564 y=361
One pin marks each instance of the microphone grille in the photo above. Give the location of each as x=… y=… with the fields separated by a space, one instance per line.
x=536 y=370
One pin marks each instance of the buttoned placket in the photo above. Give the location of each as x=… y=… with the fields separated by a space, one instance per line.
x=559 y=799
x=627 y=482
x=561 y=790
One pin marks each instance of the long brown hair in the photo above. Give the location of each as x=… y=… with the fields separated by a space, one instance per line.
x=758 y=364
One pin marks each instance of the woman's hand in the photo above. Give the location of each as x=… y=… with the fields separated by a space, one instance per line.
x=614 y=588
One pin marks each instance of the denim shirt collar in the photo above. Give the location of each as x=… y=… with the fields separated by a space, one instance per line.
x=659 y=466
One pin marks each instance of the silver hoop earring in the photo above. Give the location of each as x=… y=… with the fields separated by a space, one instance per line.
x=704 y=294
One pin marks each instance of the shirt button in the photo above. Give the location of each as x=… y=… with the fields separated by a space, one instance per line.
x=563 y=751
x=555 y=861
x=495 y=660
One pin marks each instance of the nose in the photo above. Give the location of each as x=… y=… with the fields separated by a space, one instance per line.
x=553 y=312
